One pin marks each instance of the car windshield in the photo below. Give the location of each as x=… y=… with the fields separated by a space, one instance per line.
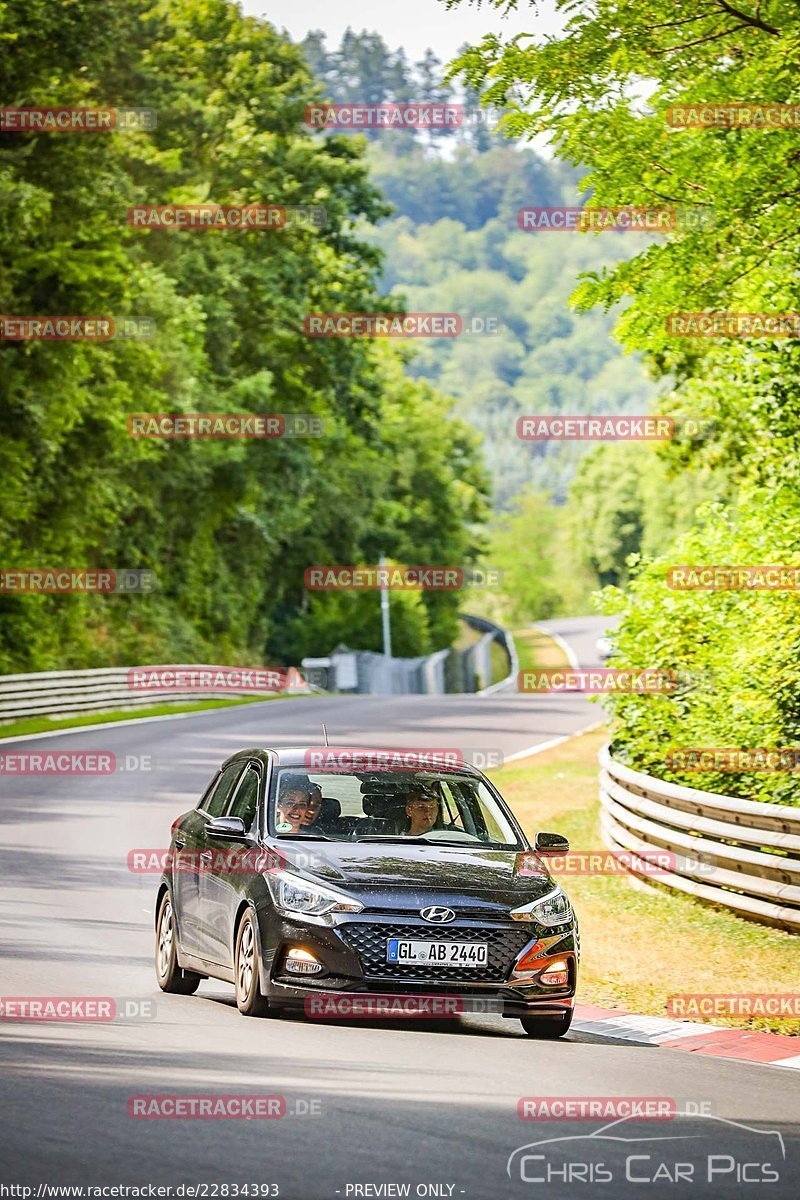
x=440 y=807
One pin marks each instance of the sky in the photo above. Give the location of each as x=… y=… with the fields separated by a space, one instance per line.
x=413 y=24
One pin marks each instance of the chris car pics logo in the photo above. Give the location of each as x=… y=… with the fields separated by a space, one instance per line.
x=701 y=1151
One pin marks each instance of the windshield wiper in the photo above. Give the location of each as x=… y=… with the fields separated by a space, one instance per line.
x=306 y=837
x=394 y=837
x=404 y=839
x=400 y=839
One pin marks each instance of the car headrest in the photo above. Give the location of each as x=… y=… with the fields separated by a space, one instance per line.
x=330 y=808
x=382 y=806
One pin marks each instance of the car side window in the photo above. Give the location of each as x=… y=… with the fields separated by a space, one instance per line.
x=452 y=812
x=203 y=803
x=245 y=802
x=218 y=801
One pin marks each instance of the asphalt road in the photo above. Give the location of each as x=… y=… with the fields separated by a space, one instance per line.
x=580 y=636
x=372 y=1107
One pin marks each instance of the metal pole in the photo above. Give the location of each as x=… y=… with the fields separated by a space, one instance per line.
x=387 y=632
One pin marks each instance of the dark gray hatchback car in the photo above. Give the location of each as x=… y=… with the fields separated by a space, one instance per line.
x=307 y=875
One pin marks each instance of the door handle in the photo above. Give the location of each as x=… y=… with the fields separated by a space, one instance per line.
x=179 y=843
x=206 y=856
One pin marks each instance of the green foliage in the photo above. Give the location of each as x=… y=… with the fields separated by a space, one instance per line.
x=533 y=547
x=600 y=90
x=544 y=357
x=454 y=245
x=354 y=619
x=363 y=70
x=628 y=499
x=229 y=527
x=735 y=653
x=472 y=185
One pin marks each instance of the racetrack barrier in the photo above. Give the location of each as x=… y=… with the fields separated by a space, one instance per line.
x=742 y=855
x=56 y=693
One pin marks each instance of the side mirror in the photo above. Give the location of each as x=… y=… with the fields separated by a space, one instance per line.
x=550 y=843
x=230 y=829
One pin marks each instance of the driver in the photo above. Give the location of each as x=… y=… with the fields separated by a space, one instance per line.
x=422 y=811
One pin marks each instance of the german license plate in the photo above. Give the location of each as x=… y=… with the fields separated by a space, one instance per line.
x=438 y=954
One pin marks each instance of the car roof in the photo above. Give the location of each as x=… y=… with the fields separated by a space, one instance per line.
x=297 y=756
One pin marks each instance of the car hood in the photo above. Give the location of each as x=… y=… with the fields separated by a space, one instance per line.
x=502 y=876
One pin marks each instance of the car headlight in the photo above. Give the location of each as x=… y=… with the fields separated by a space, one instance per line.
x=295 y=896
x=552 y=909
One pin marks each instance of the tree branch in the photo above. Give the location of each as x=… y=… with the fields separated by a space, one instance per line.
x=759 y=262
x=696 y=187
x=683 y=20
x=756 y=21
x=712 y=37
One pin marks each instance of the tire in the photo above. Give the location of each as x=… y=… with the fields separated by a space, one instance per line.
x=171 y=977
x=249 y=999
x=546 y=1027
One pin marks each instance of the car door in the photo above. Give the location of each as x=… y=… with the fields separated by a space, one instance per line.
x=191 y=856
x=228 y=865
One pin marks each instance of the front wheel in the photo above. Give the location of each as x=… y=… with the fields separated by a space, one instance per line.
x=249 y=999
x=547 y=1027
x=171 y=977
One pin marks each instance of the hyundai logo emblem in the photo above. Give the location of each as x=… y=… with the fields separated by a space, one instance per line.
x=437 y=915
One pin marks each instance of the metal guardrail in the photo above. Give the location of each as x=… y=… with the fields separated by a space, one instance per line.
x=55 y=693
x=740 y=854
x=495 y=633
x=443 y=671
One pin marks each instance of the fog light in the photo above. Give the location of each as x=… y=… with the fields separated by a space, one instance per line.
x=302 y=962
x=557 y=973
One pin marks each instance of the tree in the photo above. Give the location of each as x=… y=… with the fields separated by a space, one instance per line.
x=228 y=527
x=603 y=90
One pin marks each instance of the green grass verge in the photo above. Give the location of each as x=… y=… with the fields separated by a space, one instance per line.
x=498 y=661
x=52 y=724
x=640 y=945
x=536 y=651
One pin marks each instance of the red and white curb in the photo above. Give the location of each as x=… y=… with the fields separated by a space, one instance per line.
x=745 y=1045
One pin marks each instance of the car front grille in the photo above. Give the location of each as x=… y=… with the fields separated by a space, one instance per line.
x=369 y=940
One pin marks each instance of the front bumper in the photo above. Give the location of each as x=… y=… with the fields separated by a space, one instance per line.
x=353 y=955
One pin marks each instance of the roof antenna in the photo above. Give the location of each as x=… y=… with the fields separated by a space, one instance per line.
x=325 y=732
